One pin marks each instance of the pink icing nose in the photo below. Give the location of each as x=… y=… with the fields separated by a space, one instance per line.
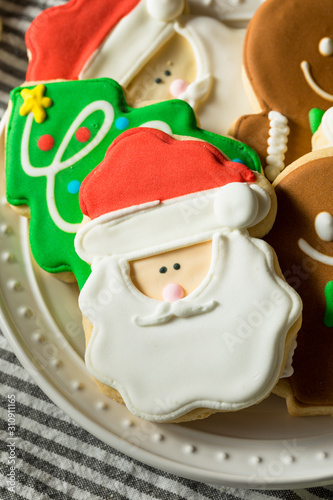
x=177 y=87
x=173 y=292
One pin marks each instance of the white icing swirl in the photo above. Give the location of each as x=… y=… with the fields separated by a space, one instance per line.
x=277 y=144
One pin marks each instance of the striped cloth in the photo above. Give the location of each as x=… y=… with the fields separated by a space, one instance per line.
x=55 y=458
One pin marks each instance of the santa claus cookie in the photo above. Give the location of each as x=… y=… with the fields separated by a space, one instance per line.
x=288 y=62
x=57 y=134
x=302 y=237
x=153 y=48
x=185 y=313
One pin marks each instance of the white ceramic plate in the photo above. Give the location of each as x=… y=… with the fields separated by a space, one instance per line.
x=259 y=447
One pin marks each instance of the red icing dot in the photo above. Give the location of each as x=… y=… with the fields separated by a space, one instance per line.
x=45 y=142
x=83 y=134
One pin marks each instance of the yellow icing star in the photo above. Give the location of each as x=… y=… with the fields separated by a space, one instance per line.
x=35 y=102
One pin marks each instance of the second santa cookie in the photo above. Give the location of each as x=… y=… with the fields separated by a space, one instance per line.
x=185 y=313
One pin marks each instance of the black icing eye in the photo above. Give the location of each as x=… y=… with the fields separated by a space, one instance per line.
x=176 y=266
x=158 y=80
x=163 y=270
x=167 y=73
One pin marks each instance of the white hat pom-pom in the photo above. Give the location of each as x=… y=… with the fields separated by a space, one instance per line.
x=236 y=205
x=165 y=10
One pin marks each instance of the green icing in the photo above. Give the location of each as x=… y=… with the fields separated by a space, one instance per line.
x=315 y=117
x=328 y=318
x=53 y=247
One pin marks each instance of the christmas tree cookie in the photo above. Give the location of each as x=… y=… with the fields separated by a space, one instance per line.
x=57 y=134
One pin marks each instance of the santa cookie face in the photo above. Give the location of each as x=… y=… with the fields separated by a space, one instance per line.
x=288 y=64
x=172 y=289
x=168 y=276
x=152 y=48
x=166 y=76
x=302 y=237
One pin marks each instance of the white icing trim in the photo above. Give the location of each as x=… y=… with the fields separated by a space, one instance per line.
x=165 y=10
x=305 y=66
x=57 y=164
x=314 y=254
x=277 y=144
x=174 y=223
x=159 y=125
x=198 y=90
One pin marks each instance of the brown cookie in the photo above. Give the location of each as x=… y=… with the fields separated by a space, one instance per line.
x=288 y=65
x=302 y=237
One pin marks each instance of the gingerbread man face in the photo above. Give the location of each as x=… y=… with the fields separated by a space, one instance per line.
x=288 y=60
x=303 y=239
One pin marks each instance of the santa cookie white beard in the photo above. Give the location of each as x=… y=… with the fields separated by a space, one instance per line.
x=224 y=345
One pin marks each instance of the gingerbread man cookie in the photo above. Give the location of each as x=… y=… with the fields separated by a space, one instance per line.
x=154 y=49
x=302 y=237
x=185 y=313
x=288 y=63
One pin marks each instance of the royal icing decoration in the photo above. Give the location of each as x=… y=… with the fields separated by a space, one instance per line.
x=239 y=315
x=288 y=67
x=46 y=162
x=277 y=144
x=126 y=39
x=35 y=102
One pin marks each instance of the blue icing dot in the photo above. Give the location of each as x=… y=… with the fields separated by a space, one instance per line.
x=238 y=160
x=122 y=123
x=74 y=187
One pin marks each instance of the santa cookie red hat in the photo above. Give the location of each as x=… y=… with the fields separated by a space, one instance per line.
x=155 y=192
x=63 y=40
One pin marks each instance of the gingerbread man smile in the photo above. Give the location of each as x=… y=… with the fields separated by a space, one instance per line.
x=306 y=68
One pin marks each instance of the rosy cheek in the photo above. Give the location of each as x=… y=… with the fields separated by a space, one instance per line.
x=173 y=292
x=178 y=87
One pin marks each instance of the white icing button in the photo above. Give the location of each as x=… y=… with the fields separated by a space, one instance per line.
x=26 y=312
x=14 y=285
x=288 y=459
x=101 y=405
x=8 y=257
x=76 y=386
x=127 y=423
x=158 y=438
x=326 y=46
x=38 y=337
x=165 y=10
x=222 y=455
x=189 y=449
x=322 y=455
x=255 y=460
x=324 y=226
